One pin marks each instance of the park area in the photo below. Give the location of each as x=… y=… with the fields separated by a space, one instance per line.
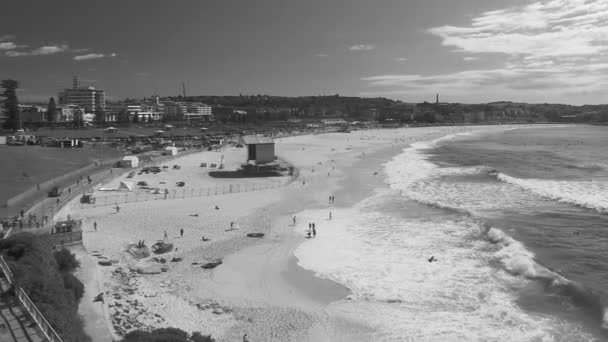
x=25 y=166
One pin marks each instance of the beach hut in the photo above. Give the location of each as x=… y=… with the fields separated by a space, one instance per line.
x=159 y=132
x=129 y=161
x=170 y=151
x=168 y=127
x=2 y=140
x=111 y=130
x=259 y=148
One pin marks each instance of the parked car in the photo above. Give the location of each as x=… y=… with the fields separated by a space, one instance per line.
x=55 y=192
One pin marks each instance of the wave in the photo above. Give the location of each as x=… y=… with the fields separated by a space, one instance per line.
x=517 y=260
x=588 y=194
x=419 y=179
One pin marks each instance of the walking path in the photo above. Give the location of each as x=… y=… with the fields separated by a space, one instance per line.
x=15 y=325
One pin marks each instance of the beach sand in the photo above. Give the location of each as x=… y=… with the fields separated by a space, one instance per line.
x=259 y=289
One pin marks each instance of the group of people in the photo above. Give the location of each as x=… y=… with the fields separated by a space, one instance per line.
x=312 y=230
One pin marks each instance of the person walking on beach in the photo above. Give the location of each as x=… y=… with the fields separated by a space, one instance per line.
x=165 y=237
x=294 y=220
x=329 y=199
x=245 y=339
x=22 y=213
x=314 y=233
x=181 y=232
x=330 y=215
x=117 y=208
x=95 y=225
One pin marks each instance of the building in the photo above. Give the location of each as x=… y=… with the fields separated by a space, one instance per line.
x=259 y=149
x=334 y=122
x=198 y=112
x=68 y=112
x=90 y=99
x=32 y=113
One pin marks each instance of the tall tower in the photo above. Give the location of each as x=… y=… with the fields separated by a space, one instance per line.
x=75 y=82
x=184 y=89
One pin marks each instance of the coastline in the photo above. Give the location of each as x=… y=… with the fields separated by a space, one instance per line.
x=259 y=278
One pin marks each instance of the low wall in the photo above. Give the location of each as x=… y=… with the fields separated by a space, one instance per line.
x=61 y=239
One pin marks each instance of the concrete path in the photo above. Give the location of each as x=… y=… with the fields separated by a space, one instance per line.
x=15 y=324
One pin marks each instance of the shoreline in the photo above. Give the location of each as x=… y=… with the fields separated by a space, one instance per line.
x=272 y=280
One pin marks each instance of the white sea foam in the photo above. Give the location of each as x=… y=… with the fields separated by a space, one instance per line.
x=383 y=260
x=412 y=173
x=590 y=194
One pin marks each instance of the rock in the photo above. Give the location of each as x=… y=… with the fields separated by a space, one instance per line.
x=98 y=298
x=162 y=247
x=212 y=264
x=105 y=262
x=255 y=235
x=176 y=259
x=138 y=252
x=148 y=269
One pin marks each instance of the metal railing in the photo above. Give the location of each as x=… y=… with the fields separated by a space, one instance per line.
x=27 y=304
x=140 y=196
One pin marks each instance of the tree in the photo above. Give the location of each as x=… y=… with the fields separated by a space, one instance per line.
x=10 y=103
x=51 y=108
x=99 y=116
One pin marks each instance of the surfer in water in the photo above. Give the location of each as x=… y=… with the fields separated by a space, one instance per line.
x=432 y=258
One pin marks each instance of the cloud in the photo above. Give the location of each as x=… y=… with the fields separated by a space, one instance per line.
x=93 y=56
x=6 y=37
x=555 y=47
x=50 y=50
x=8 y=46
x=89 y=56
x=361 y=47
x=321 y=55
x=400 y=59
x=540 y=29
x=16 y=53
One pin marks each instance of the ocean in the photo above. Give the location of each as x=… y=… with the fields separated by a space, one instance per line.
x=517 y=224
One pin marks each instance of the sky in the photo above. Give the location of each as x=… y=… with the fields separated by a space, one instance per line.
x=470 y=51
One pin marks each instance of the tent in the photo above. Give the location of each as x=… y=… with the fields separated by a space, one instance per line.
x=129 y=161
x=125 y=186
x=170 y=151
x=159 y=132
x=111 y=130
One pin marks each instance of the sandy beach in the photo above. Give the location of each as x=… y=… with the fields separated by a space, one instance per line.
x=259 y=288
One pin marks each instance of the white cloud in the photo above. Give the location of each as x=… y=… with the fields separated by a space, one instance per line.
x=550 y=48
x=361 y=47
x=50 y=50
x=89 y=56
x=8 y=46
x=93 y=56
x=321 y=55
x=400 y=59
x=16 y=53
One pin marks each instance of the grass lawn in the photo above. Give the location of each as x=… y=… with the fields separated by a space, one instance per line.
x=26 y=166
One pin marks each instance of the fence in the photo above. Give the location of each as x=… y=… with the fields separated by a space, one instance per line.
x=132 y=197
x=27 y=303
